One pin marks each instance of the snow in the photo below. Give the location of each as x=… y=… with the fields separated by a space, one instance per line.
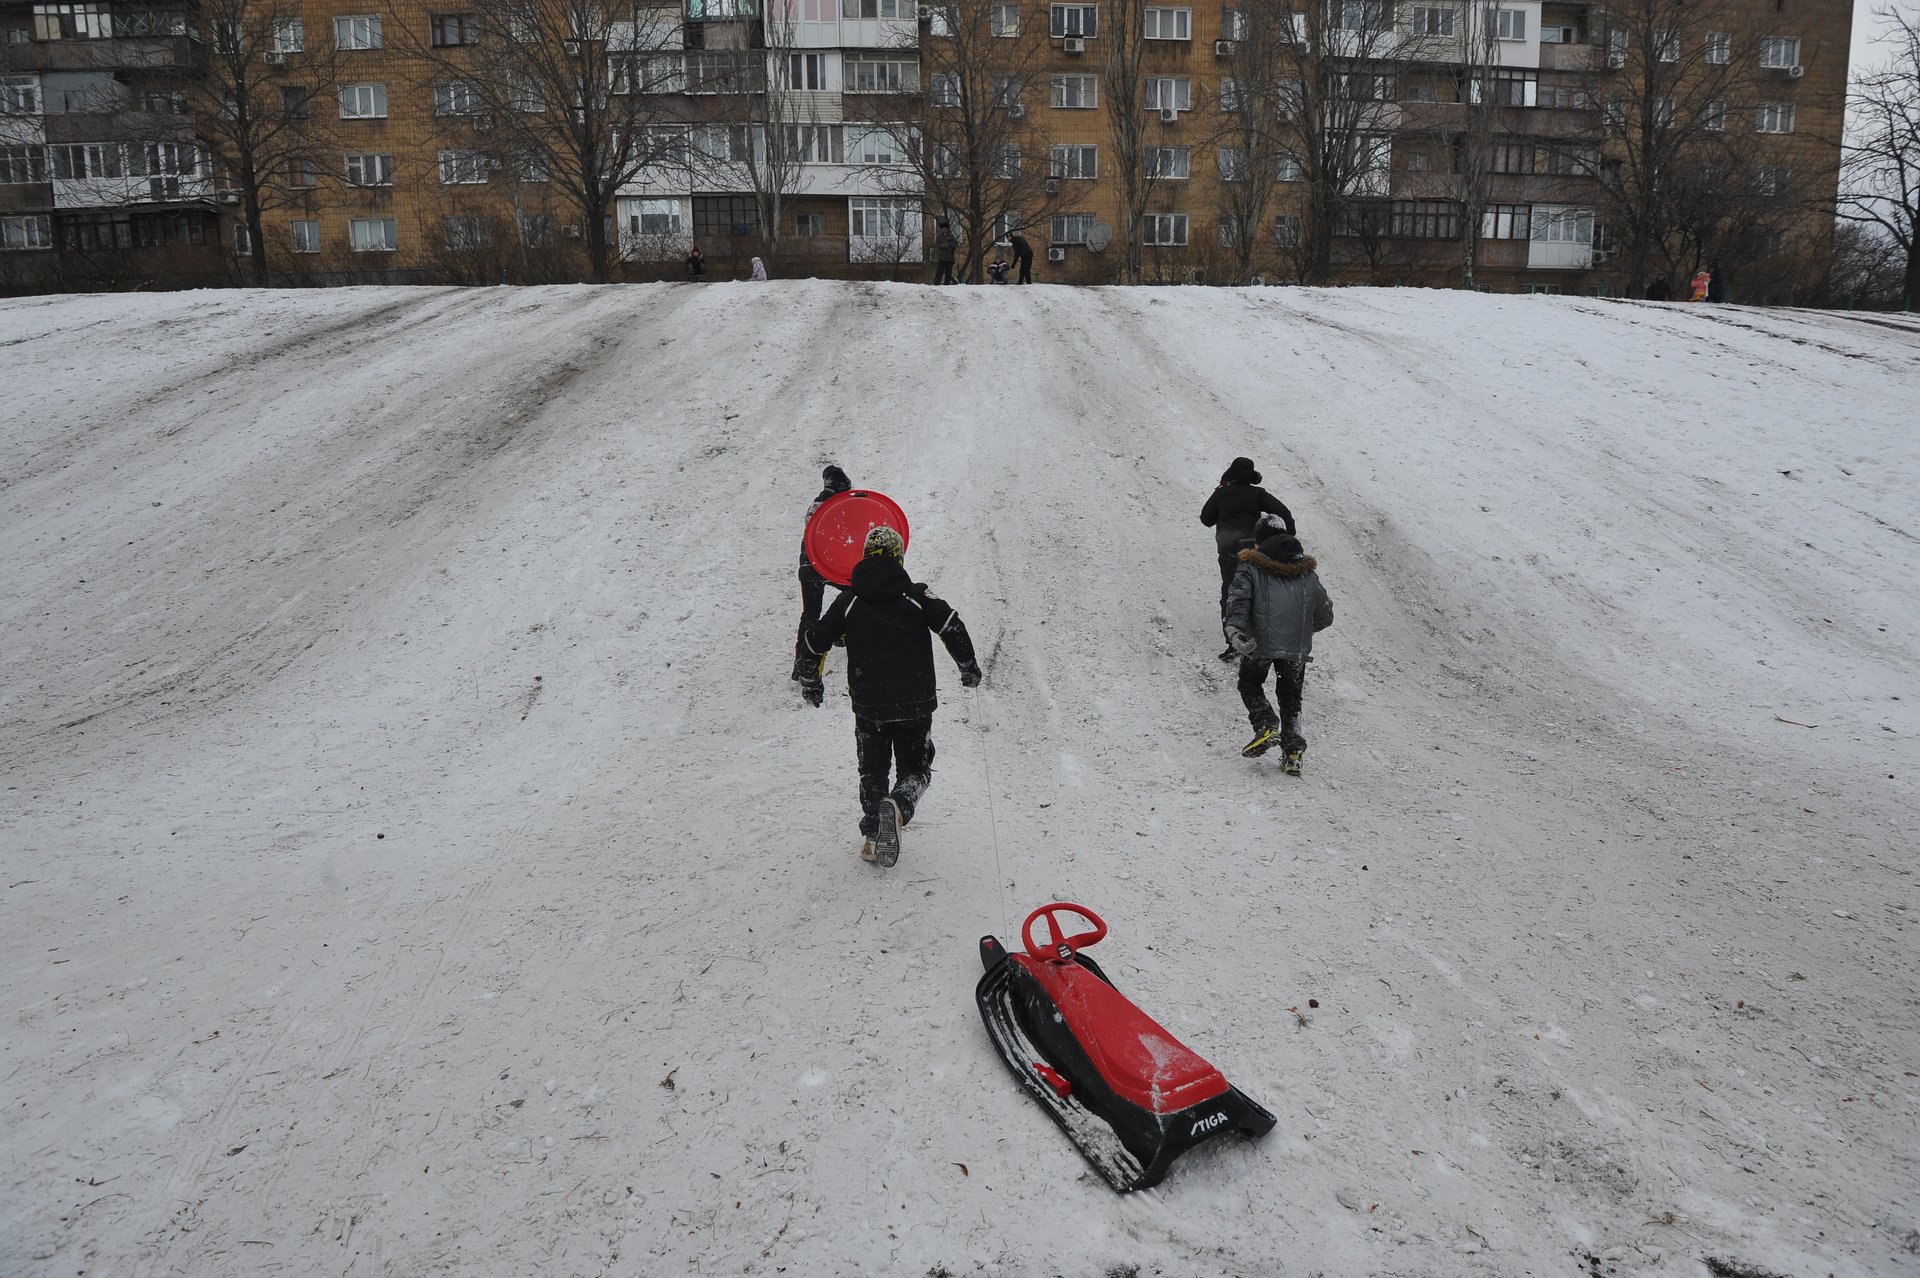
x=417 y=859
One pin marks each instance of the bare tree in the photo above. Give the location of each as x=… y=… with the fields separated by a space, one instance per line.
x=266 y=108
x=980 y=155
x=1880 y=168
x=1679 y=69
x=1340 y=101
x=1146 y=113
x=569 y=89
x=1255 y=97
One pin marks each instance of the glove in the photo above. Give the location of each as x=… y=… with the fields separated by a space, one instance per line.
x=814 y=693
x=970 y=675
x=1240 y=641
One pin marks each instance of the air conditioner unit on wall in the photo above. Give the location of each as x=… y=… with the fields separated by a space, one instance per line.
x=1016 y=111
x=1223 y=48
x=1073 y=44
x=1794 y=73
x=1169 y=115
x=274 y=58
x=1056 y=255
x=229 y=197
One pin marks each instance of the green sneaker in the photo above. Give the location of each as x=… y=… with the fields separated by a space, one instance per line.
x=1263 y=741
x=1290 y=762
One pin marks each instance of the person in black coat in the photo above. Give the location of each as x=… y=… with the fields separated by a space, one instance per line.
x=696 y=265
x=1660 y=290
x=1716 y=284
x=1232 y=512
x=1022 y=256
x=888 y=621
x=807 y=668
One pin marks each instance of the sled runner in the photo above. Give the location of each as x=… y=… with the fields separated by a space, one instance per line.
x=1126 y=1092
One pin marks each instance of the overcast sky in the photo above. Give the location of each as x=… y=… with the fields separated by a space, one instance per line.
x=1867 y=25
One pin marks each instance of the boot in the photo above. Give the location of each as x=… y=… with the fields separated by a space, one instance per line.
x=1263 y=741
x=1290 y=737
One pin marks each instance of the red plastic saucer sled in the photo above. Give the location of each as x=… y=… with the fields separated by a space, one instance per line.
x=1131 y=1096
x=836 y=536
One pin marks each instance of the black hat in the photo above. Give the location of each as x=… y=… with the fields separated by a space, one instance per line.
x=1241 y=472
x=1283 y=549
x=835 y=478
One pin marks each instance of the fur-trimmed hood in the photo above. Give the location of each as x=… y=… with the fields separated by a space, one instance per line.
x=1297 y=568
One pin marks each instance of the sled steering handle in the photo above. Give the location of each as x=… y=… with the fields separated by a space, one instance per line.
x=1061 y=947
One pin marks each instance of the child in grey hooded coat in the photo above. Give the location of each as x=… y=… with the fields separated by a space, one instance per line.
x=1275 y=605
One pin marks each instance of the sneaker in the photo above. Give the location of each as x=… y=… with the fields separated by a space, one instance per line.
x=814 y=691
x=1264 y=739
x=1228 y=654
x=1290 y=762
x=866 y=851
x=886 y=842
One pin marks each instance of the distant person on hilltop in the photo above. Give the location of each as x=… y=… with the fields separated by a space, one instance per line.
x=696 y=265
x=759 y=270
x=809 y=669
x=1275 y=606
x=1022 y=256
x=997 y=270
x=1660 y=290
x=945 y=246
x=1232 y=512
x=1702 y=281
x=1716 y=284
x=888 y=621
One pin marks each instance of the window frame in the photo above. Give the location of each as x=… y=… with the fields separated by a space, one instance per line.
x=376 y=91
x=1155 y=17
x=390 y=234
x=1065 y=157
x=383 y=166
x=1080 y=21
x=1082 y=80
x=1773 y=117
x=464 y=26
x=1178 y=224
x=295 y=236
x=350 y=29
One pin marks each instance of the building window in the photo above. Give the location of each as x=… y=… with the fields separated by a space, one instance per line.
x=363 y=101
x=19 y=95
x=725 y=72
x=1004 y=226
x=1006 y=161
x=1229 y=95
x=242 y=240
x=1506 y=222
x=1286 y=230
x=1771 y=179
x=449 y=30
x=164 y=101
x=80 y=160
x=304 y=236
x=369 y=169
x=1563 y=226
x=455 y=97
x=1666 y=45
x=875 y=146
x=289 y=35
x=1168 y=24
x=943 y=89
x=1780 y=51
x=1233 y=164
x=1076 y=92
x=871 y=9
x=1233 y=24
x=1431 y=21
x=1166 y=161
x=372 y=234
x=1663 y=113
x=1510 y=24
x=1166 y=230
x=459 y=168
x=873 y=218
x=1075 y=162
x=808 y=225
x=807 y=71
x=32 y=231
x=536 y=229
x=1360 y=86
x=1006 y=92
x=657 y=73
x=1081 y=20
x=359 y=31
x=71 y=22
x=1169 y=91
x=1719 y=47
x=301 y=173
x=467 y=233
x=296 y=102
x=1514 y=156
x=655 y=218
x=533 y=167
x=1070 y=228
x=1003 y=20
x=1419 y=162
x=1713 y=116
x=1773 y=117
x=20 y=164
x=1507 y=88
x=1565 y=97
x=876 y=75
x=1287 y=168
x=1426 y=220
x=817 y=143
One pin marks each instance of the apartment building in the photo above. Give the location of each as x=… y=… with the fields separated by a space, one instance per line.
x=102 y=180
x=1554 y=146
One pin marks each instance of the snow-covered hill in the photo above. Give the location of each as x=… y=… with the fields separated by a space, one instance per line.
x=417 y=859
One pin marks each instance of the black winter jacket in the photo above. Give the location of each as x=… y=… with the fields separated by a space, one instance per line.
x=806 y=565
x=889 y=621
x=1232 y=511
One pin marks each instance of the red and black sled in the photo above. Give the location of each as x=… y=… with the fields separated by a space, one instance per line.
x=1128 y=1093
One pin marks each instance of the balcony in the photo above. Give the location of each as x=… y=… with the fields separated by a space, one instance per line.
x=175 y=53
x=1569 y=57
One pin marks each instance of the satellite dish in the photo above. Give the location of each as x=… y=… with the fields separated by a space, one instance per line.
x=1099 y=235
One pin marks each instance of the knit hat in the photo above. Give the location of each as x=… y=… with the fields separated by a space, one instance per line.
x=1241 y=472
x=835 y=479
x=1269 y=525
x=885 y=541
x=1283 y=549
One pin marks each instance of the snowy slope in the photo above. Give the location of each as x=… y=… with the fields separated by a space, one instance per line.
x=417 y=860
